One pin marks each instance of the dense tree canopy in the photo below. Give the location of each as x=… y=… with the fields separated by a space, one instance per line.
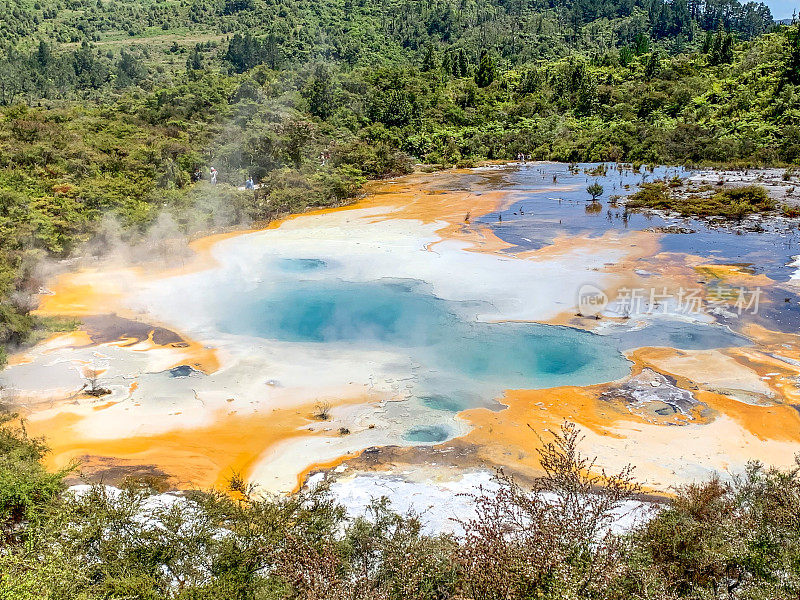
x=251 y=32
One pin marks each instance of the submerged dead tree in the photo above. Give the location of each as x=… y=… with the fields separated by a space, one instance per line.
x=92 y=385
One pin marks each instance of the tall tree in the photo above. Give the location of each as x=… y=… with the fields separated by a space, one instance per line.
x=319 y=92
x=447 y=64
x=721 y=48
x=195 y=60
x=429 y=59
x=486 y=70
x=792 y=73
x=463 y=65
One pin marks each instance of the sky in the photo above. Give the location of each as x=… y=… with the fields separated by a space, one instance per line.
x=782 y=9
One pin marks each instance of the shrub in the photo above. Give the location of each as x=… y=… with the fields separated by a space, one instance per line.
x=735 y=202
x=651 y=195
x=790 y=211
x=552 y=542
x=595 y=191
x=738 y=538
x=376 y=159
x=753 y=197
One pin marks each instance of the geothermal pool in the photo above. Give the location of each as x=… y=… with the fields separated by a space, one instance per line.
x=437 y=324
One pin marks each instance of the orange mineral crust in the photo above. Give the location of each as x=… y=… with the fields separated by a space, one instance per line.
x=418 y=197
x=722 y=431
x=512 y=436
x=185 y=352
x=734 y=275
x=204 y=457
x=86 y=292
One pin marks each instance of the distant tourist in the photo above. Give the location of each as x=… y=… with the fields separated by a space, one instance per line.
x=249 y=185
x=213 y=175
x=197 y=175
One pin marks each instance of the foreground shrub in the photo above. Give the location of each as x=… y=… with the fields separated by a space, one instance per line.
x=715 y=539
x=739 y=539
x=554 y=541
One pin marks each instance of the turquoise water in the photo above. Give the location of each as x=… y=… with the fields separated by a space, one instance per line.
x=301 y=265
x=329 y=312
x=460 y=363
x=427 y=434
x=443 y=403
x=454 y=350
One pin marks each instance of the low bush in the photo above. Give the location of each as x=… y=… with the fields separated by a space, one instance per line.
x=735 y=539
x=734 y=202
